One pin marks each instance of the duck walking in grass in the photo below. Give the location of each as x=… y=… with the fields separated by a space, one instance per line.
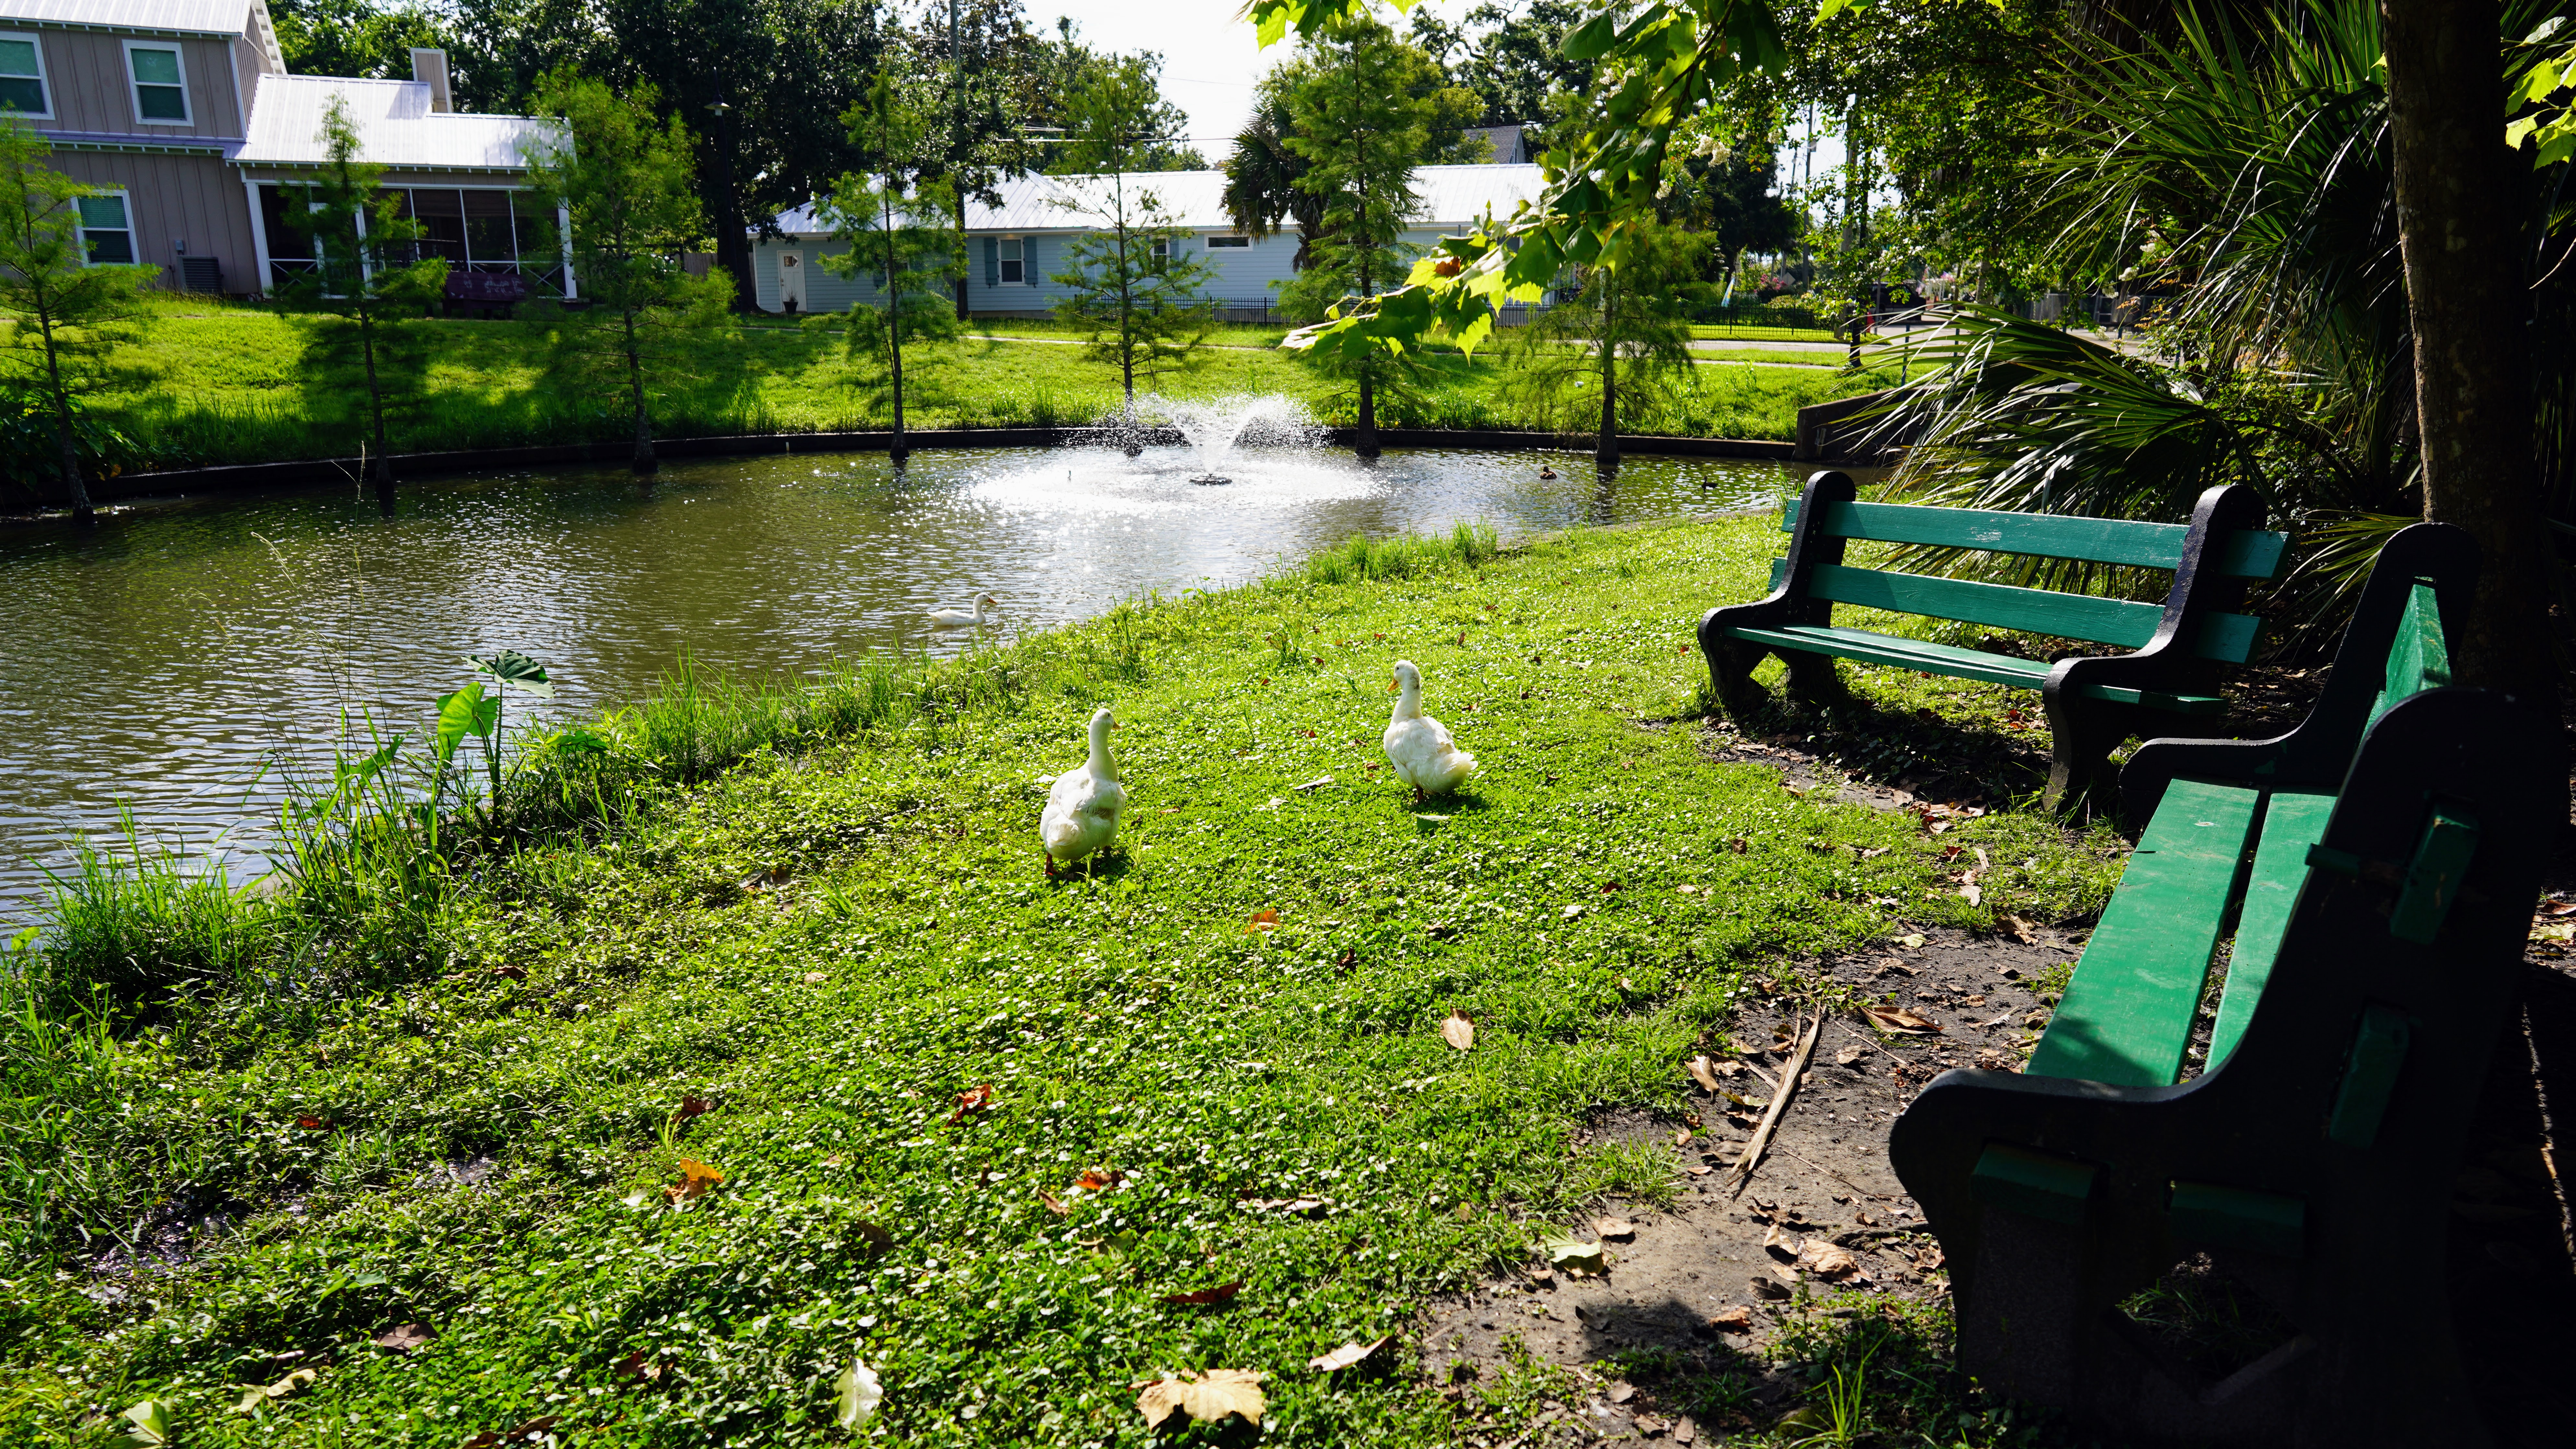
x=960 y=618
x=1082 y=807
x=1419 y=746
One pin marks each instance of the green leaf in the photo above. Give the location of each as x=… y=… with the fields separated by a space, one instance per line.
x=1591 y=39
x=512 y=667
x=466 y=712
x=860 y=1393
x=149 y=1421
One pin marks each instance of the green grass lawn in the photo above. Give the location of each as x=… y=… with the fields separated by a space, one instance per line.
x=226 y=384
x=1749 y=332
x=464 y=1093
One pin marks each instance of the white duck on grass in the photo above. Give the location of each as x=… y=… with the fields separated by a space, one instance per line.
x=960 y=618
x=1419 y=746
x=1082 y=807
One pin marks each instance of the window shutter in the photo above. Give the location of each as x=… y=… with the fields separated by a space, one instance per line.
x=992 y=261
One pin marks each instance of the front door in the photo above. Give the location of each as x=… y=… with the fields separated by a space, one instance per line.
x=791 y=281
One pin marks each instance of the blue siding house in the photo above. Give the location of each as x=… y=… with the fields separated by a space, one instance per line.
x=1014 y=249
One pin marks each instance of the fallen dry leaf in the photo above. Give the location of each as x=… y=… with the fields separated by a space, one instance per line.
x=1681 y=1137
x=1968 y=890
x=259 y=1397
x=1685 y=1430
x=1766 y=1286
x=1738 y=1319
x=1650 y=1426
x=1827 y=1261
x=1309 y=1207
x=1099 y=1179
x=1983 y=864
x=973 y=1099
x=639 y=1368
x=1617 y=1230
x=311 y=1124
x=1458 y=1029
x=1703 y=1071
x=1053 y=1206
x=1900 y=1020
x=1621 y=1392
x=695 y=1179
x=1317 y=783
x=1850 y=1054
x=693 y=1106
x=1780 y=1244
x=1911 y=942
x=1261 y=921
x=814 y=977
x=511 y=973
x=1221 y=1293
x=1344 y=1357
x=1688 y=890
x=405 y=1337
x=1739 y=845
x=2017 y=928
x=1206 y=1398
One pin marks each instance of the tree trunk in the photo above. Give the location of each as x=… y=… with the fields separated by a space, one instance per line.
x=894 y=353
x=1607 y=450
x=381 y=468
x=2462 y=200
x=75 y=486
x=1364 y=437
x=724 y=210
x=645 y=464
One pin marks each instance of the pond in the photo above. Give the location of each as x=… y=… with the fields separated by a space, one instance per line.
x=163 y=661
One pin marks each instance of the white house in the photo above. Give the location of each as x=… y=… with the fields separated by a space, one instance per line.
x=1014 y=249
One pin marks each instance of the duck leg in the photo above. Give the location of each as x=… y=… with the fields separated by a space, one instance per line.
x=1049 y=857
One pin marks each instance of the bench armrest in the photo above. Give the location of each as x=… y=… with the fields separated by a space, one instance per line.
x=2315 y=755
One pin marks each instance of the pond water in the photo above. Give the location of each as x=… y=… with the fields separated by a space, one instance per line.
x=164 y=660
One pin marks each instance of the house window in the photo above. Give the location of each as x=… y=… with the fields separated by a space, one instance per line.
x=1220 y=243
x=107 y=232
x=22 y=77
x=1162 y=249
x=1015 y=265
x=160 y=91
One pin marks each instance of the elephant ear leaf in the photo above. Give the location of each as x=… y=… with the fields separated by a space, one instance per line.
x=466 y=712
x=511 y=667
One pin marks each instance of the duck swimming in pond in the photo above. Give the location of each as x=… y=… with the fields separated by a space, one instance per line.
x=1545 y=471
x=960 y=618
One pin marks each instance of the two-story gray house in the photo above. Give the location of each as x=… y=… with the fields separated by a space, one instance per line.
x=182 y=111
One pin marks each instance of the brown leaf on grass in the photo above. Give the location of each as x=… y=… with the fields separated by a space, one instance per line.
x=1617 y=1230
x=1969 y=890
x=1344 y=1357
x=1703 y=1071
x=1304 y=1207
x=511 y=973
x=1608 y=886
x=693 y=1105
x=405 y=1338
x=1261 y=921
x=973 y=1099
x=1901 y=1021
x=1458 y=1029
x=1053 y=1205
x=312 y=1124
x=1099 y=1179
x=1206 y=1398
x=1221 y=1293
x=1738 y=1319
x=696 y=1178
x=2017 y=928
x=638 y=1368
x=1739 y=845
x=258 y=1397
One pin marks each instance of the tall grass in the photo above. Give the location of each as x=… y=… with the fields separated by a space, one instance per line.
x=1361 y=558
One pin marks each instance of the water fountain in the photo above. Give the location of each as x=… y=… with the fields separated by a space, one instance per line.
x=1212 y=427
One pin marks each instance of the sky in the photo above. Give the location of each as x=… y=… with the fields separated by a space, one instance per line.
x=1210 y=59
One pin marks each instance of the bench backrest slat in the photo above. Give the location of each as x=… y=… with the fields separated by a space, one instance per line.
x=2419 y=658
x=2227 y=638
x=2240 y=553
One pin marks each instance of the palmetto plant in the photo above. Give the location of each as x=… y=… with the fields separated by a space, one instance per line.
x=2243 y=165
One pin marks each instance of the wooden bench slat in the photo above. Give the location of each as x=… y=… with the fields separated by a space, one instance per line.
x=2419 y=659
x=2291 y=823
x=2127 y=1015
x=2002 y=606
x=2241 y=553
x=1924 y=657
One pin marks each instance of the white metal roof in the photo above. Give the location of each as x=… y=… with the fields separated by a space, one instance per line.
x=201 y=17
x=393 y=120
x=1451 y=196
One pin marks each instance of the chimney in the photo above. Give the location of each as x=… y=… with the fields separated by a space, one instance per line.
x=430 y=68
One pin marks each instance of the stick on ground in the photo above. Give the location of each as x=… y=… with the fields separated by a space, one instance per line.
x=1742 y=1172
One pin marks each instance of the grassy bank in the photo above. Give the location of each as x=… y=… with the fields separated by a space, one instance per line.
x=974 y=1128
x=226 y=385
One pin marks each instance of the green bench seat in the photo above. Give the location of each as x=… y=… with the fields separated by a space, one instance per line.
x=2375 y=870
x=2093 y=702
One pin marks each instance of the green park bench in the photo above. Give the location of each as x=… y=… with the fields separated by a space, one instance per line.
x=2093 y=702
x=2378 y=867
